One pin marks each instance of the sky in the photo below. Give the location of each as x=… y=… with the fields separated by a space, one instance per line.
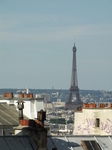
x=37 y=37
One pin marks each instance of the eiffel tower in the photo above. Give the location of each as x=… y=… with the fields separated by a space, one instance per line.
x=74 y=85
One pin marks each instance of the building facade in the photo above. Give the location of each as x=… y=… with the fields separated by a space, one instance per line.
x=31 y=105
x=92 y=120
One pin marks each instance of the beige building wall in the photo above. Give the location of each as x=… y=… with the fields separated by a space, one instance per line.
x=93 y=121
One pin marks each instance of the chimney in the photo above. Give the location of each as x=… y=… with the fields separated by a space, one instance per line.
x=79 y=108
x=85 y=105
x=8 y=95
x=110 y=105
x=102 y=105
x=21 y=95
x=20 y=107
x=41 y=117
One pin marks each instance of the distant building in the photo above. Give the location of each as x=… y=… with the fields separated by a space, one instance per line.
x=47 y=97
x=92 y=120
x=48 y=105
x=58 y=104
x=58 y=100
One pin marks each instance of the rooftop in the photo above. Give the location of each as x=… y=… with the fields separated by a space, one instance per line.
x=75 y=142
x=17 y=143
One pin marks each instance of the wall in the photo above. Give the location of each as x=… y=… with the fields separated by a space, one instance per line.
x=31 y=107
x=86 y=122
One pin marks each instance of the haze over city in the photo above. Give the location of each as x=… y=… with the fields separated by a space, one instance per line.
x=36 y=40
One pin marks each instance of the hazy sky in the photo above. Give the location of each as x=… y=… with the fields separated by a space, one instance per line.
x=36 y=40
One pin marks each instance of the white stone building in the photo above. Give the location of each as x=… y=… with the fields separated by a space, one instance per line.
x=92 y=120
x=31 y=105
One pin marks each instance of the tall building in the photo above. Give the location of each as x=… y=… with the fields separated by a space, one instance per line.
x=74 y=85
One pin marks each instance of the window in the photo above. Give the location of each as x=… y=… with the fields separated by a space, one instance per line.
x=97 y=122
x=91 y=145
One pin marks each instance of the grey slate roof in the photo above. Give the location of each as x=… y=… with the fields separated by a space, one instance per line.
x=9 y=116
x=17 y=143
x=74 y=142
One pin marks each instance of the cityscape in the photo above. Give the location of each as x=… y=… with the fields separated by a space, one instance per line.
x=51 y=95
x=46 y=115
x=54 y=105
x=56 y=76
